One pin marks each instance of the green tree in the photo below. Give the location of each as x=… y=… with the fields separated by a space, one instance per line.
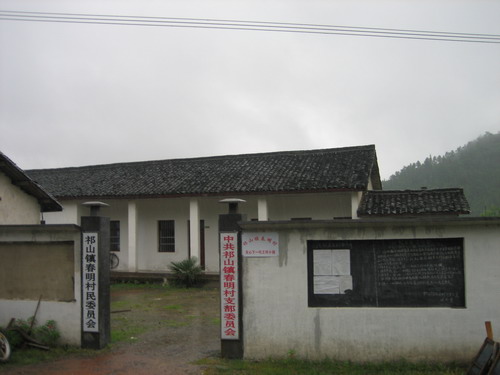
x=473 y=167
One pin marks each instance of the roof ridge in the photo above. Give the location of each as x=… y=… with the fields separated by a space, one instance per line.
x=414 y=190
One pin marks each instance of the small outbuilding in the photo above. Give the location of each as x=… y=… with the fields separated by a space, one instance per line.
x=39 y=263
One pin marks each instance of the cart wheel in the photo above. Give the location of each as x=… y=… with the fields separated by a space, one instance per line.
x=113 y=261
x=4 y=348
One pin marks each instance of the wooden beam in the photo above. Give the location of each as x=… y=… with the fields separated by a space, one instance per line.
x=489 y=330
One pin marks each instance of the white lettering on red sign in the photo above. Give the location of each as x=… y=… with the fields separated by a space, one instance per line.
x=90 y=284
x=229 y=286
x=260 y=244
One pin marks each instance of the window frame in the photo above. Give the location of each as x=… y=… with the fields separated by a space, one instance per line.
x=166 y=236
x=114 y=235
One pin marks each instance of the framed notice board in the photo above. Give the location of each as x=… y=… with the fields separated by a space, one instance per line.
x=495 y=366
x=487 y=360
x=386 y=273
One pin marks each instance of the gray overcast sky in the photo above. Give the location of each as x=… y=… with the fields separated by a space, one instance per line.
x=73 y=94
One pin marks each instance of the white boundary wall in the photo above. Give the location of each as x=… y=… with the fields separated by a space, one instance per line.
x=277 y=319
x=66 y=314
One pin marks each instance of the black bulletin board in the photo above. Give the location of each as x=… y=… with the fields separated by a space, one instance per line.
x=396 y=273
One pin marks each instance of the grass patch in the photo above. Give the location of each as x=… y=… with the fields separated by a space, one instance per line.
x=292 y=366
x=126 y=333
x=31 y=356
x=120 y=305
x=173 y=307
x=174 y=323
x=138 y=286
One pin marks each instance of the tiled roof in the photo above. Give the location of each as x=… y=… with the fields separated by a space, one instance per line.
x=296 y=171
x=413 y=202
x=20 y=179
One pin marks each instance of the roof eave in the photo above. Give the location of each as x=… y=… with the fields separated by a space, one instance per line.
x=209 y=194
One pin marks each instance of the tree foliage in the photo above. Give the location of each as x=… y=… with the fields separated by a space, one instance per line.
x=474 y=167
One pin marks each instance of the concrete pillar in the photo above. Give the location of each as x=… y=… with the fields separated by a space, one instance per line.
x=231 y=291
x=194 y=228
x=262 y=209
x=355 y=200
x=96 y=319
x=132 y=236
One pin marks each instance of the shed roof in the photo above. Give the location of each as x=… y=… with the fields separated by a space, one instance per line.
x=20 y=179
x=335 y=169
x=413 y=202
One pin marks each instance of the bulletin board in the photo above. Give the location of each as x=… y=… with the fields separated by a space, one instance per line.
x=387 y=273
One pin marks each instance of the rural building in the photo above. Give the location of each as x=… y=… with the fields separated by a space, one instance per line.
x=167 y=210
x=38 y=262
x=390 y=274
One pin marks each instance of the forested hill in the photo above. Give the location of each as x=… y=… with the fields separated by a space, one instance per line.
x=474 y=167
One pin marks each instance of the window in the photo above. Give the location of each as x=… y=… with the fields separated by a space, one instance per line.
x=166 y=236
x=114 y=235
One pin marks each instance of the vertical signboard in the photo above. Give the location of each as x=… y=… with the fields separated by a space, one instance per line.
x=229 y=286
x=90 y=286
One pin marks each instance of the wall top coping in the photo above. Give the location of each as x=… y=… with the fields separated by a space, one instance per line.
x=366 y=223
x=40 y=228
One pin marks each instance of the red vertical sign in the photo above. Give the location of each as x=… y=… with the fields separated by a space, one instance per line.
x=229 y=286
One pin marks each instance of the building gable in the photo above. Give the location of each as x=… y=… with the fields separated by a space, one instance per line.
x=20 y=179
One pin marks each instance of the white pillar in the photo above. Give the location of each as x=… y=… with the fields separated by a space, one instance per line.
x=194 y=228
x=355 y=200
x=132 y=236
x=262 y=209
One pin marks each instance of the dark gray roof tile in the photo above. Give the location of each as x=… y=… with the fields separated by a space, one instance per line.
x=413 y=202
x=347 y=168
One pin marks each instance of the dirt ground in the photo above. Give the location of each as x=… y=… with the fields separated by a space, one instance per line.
x=160 y=331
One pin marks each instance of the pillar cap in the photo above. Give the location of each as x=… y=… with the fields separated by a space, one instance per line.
x=232 y=200
x=95 y=204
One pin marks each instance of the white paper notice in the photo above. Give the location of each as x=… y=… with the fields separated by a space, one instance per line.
x=332 y=271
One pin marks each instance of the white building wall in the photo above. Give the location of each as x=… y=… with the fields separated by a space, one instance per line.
x=324 y=206
x=280 y=207
x=16 y=206
x=277 y=318
x=71 y=213
x=149 y=212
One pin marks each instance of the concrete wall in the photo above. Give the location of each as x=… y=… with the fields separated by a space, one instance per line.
x=46 y=269
x=16 y=207
x=277 y=318
x=149 y=211
x=36 y=248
